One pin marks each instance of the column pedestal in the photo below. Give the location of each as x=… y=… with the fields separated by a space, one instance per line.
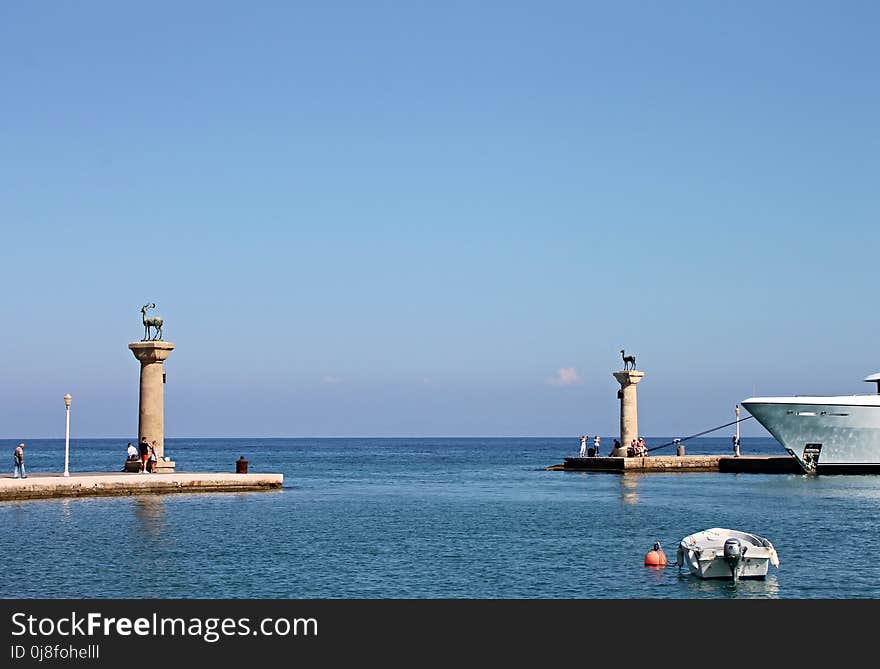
x=151 y=414
x=629 y=410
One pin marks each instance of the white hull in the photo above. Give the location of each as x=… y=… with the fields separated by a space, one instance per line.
x=717 y=568
x=825 y=434
x=703 y=553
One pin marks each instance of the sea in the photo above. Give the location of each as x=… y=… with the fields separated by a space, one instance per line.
x=439 y=518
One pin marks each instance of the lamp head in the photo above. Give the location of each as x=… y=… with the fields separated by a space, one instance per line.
x=67 y=399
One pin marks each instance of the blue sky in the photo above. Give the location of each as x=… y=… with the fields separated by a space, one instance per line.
x=407 y=218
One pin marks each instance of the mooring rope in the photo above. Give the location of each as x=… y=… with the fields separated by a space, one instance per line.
x=699 y=434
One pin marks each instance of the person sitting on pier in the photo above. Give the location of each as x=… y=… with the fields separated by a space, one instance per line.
x=632 y=450
x=616 y=447
x=130 y=456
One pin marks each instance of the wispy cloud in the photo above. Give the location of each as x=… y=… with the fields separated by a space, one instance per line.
x=565 y=376
x=330 y=380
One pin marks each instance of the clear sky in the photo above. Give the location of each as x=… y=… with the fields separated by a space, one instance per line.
x=435 y=218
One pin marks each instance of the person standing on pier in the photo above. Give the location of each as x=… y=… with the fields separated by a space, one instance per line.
x=144 y=449
x=583 y=445
x=18 y=458
x=596 y=441
x=153 y=462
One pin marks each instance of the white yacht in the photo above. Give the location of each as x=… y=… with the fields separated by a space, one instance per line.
x=826 y=435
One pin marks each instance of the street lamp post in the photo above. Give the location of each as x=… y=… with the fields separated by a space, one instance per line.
x=67 y=399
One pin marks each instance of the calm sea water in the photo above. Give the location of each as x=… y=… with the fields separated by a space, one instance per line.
x=436 y=518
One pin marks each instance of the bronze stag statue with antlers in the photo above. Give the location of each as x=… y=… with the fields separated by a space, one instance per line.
x=151 y=322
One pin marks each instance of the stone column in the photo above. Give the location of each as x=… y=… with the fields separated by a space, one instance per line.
x=151 y=416
x=629 y=410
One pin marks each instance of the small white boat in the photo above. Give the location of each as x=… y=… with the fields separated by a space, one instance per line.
x=721 y=553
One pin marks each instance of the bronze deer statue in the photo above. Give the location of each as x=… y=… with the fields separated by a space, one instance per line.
x=151 y=322
x=628 y=360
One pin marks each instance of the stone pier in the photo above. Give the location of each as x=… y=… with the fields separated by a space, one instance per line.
x=629 y=410
x=47 y=486
x=754 y=464
x=151 y=416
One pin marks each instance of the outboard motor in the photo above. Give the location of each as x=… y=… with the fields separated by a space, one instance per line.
x=733 y=555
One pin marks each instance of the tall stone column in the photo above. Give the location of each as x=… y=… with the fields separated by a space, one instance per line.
x=629 y=409
x=151 y=416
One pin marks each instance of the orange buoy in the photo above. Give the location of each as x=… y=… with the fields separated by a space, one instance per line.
x=655 y=557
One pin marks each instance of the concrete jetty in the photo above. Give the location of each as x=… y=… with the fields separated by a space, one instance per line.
x=47 y=486
x=744 y=464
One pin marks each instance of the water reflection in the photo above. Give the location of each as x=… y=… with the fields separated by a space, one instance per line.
x=149 y=512
x=656 y=575
x=767 y=588
x=629 y=488
x=66 y=511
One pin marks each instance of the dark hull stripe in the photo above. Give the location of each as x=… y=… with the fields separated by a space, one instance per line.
x=809 y=404
x=851 y=468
